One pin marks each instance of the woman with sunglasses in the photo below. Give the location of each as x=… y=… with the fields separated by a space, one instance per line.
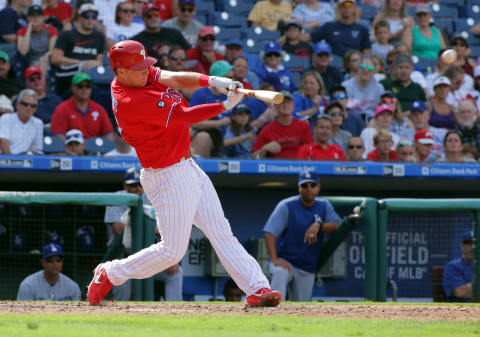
x=310 y=98
x=453 y=149
x=339 y=136
x=363 y=90
x=124 y=27
x=460 y=45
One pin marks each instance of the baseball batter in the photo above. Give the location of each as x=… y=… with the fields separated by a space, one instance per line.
x=155 y=119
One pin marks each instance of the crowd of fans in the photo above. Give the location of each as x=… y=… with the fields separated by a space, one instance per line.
x=378 y=105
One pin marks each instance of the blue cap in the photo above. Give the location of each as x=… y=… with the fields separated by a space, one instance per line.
x=418 y=106
x=132 y=176
x=468 y=235
x=273 y=47
x=234 y=42
x=308 y=177
x=322 y=47
x=51 y=249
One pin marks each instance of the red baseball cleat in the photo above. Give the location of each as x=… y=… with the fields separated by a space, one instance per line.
x=99 y=287
x=264 y=297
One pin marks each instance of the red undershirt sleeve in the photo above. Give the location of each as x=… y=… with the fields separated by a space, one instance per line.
x=182 y=114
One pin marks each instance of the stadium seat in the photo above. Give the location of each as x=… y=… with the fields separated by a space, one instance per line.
x=224 y=19
x=261 y=34
x=475 y=51
x=253 y=47
x=451 y=3
x=9 y=48
x=424 y=64
x=446 y=25
x=463 y=25
x=53 y=144
x=337 y=61
x=238 y=7
x=444 y=12
x=98 y=145
x=473 y=10
x=295 y=63
x=203 y=18
x=225 y=34
x=204 y=7
x=101 y=74
x=369 y=12
x=297 y=77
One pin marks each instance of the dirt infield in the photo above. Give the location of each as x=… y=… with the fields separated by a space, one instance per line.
x=340 y=310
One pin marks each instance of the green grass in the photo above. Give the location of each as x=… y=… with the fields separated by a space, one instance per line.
x=217 y=326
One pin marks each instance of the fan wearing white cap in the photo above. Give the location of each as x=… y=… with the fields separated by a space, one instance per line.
x=74 y=143
x=442 y=114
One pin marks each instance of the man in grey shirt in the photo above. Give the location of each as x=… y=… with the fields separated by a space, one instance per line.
x=184 y=22
x=49 y=283
x=116 y=220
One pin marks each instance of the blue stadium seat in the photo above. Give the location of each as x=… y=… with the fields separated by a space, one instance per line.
x=224 y=19
x=473 y=10
x=9 y=48
x=295 y=63
x=444 y=12
x=475 y=51
x=261 y=34
x=424 y=64
x=337 y=61
x=463 y=25
x=369 y=12
x=53 y=144
x=204 y=7
x=203 y=18
x=446 y=25
x=225 y=34
x=98 y=145
x=252 y=46
x=238 y=7
x=101 y=74
x=451 y=3
x=297 y=77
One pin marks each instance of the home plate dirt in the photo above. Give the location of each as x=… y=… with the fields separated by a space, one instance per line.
x=341 y=310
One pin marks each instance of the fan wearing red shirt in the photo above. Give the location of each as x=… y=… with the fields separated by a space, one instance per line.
x=383 y=142
x=80 y=112
x=283 y=137
x=203 y=53
x=61 y=10
x=321 y=150
x=155 y=119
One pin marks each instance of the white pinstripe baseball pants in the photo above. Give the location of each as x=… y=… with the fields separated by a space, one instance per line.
x=182 y=195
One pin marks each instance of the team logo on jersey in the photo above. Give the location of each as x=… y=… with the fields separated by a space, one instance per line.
x=172 y=94
x=355 y=33
x=161 y=104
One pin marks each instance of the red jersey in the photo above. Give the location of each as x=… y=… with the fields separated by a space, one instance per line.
x=155 y=120
x=290 y=137
x=93 y=122
x=62 y=12
x=202 y=66
x=373 y=155
x=315 y=151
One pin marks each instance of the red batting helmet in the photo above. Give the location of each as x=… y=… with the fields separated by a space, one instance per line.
x=131 y=55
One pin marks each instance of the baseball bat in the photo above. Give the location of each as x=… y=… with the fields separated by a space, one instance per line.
x=263 y=95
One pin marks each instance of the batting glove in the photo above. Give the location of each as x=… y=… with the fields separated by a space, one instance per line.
x=223 y=83
x=233 y=98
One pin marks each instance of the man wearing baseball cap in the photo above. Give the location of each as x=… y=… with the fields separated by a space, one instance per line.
x=80 y=112
x=423 y=146
x=155 y=35
x=9 y=85
x=458 y=273
x=294 y=237
x=202 y=56
x=321 y=59
x=49 y=284
x=47 y=101
x=13 y=18
x=184 y=23
x=74 y=143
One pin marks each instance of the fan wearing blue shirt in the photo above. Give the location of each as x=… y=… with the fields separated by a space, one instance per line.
x=458 y=273
x=294 y=237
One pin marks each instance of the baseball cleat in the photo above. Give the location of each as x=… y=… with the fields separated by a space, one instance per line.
x=99 y=287
x=264 y=297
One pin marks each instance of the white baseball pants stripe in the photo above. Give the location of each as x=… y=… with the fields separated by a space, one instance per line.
x=182 y=195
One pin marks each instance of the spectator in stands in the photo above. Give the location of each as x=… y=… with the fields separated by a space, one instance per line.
x=177 y=57
x=345 y=33
x=124 y=28
x=49 y=284
x=352 y=122
x=467 y=123
x=21 y=132
x=232 y=292
x=321 y=59
x=293 y=44
x=80 y=112
x=383 y=147
x=423 y=146
x=406 y=91
x=442 y=114
x=13 y=18
x=234 y=50
x=310 y=98
x=453 y=149
x=396 y=15
x=351 y=63
x=270 y=13
x=47 y=101
x=382 y=33
x=240 y=134
x=122 y=148
x=294 y=236
x=117 y=222
x=5 y=105
x=406 y=151
x=459 y=91
x=458 y=273
x=10 y=86
x=313 y=14
x=401 y=48
x=400 y=124
x=339 y=136
x=320 y=149
x=138 y=7
x=273 y=71
x=382 y=121
x=355 y=149
x=184 y=23
x=60 y=10
x=207 y=140
x=106 y=19
x=240 y=71
x=379 y=64
x=154 y=36
x=36 y=41
x=203 y=53
x=78 y=49
x=437 y=71
x=470 y=152
x=424 y=40
x=459 y=43
x=285 y=135
x=363 y=90
x=74 y=143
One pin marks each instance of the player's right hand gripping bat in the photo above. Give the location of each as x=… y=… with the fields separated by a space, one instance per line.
x=263 y=95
